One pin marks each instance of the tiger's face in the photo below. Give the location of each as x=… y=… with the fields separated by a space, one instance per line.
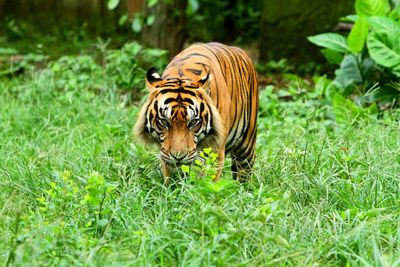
x=180 y=117
x=178 y=126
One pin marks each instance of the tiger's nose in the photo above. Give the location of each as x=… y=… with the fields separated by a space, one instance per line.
x=178 y=155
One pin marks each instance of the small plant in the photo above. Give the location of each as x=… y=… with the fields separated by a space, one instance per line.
x=203 y=172
x=205 y=167
x=98 y=193
x=65 y=197
x=63 y=192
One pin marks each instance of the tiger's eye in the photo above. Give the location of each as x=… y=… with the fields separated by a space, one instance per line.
x=164 y=123
x=193 y=123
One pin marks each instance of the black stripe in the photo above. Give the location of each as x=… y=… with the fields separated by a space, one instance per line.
x=156 y=107
x=201 y=108
x=195 y=54
x=151 y=119
x=195 y=71
x=188 y=100
x=169 y=100
x=178 y=90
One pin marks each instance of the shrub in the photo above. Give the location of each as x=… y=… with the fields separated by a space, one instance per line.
x=369 y=57
x=123 y=69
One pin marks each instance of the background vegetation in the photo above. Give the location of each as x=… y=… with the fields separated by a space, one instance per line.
x=77 y=189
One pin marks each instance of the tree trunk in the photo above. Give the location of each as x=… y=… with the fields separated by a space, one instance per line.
x=285 y=26
x=135 y=6
x=168 y=30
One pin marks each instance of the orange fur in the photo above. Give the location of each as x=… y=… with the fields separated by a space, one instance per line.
x=207 y=96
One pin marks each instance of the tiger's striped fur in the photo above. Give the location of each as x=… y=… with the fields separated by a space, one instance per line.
x=207 y=96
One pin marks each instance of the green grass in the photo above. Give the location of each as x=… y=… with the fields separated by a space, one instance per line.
x=75 y=190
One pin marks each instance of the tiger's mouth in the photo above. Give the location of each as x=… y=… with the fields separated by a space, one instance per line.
x=177 y=158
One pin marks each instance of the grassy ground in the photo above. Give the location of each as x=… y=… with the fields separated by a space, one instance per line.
x=77 y=191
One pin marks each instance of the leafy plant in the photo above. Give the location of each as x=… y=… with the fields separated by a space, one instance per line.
x=12 y=63
x=62 y=192
x=125 y=68
x=76 y=73
x=121 y=68
x=369 y=57
x=67 y=198
x=346 y=112
x=203 y=168
x=138 y=20
x=203 y=171
x=98 y=193
x=243 y=18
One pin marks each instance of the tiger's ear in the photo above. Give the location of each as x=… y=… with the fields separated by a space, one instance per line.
x=204 y=83
x=153 y=79
x=204 y=80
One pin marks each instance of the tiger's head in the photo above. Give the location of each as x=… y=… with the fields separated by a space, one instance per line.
x=180 y=116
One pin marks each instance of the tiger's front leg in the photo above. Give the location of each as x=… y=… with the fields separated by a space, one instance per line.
x=165 y=170
x=221 y=159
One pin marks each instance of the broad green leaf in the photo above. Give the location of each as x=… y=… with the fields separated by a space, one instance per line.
x=132 y=48
x=332 y=56
x=372 y=7
x=333 y=41
x=221 y=185
x=349 y=18
x=193 y=6
x=321 y=84
x=367 y=67
x=358 y=35
x=185 y=168
x=150 y=20
x=381 y=23
x=151 y=3
x=111 y=4
x=137 y=24
x=123 y=20
x=349 y=71
x=384 y=49
x=395 y=13
x=207 y=150
x=347 y=77
x=349 y=213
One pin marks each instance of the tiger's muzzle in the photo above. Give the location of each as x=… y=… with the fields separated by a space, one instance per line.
x=178 y=158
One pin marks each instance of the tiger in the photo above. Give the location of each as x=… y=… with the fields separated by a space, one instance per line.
x=206 y=97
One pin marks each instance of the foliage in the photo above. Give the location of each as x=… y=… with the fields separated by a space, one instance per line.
x=369 y=57
x=76 y=191
x=123 y=68
x=12 y=63
x=202 y=174
x=205 y=167
x=242 y=18
x=128 y=66
x=76 y=72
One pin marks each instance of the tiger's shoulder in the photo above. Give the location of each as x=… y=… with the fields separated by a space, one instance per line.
x=201 y=58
